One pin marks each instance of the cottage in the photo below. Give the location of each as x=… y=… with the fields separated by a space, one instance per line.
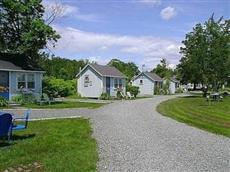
x=147 y=81
x=17 y=75
x=94 y=79
x=173 y=85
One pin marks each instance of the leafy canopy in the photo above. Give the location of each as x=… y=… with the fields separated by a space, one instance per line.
x=23 y=29
x=206 y=54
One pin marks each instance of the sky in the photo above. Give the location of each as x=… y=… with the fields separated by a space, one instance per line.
x=139 y=31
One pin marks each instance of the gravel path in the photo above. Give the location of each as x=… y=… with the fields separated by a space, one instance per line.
x=132 y=136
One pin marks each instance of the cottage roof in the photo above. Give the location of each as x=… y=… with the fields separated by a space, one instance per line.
x=105 y=70
x=153 y=76
x=17 y=62
x=150 y=75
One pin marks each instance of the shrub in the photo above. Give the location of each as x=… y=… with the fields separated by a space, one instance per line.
x=3 y=102
x=104 y=96
x=166 y=87
x=157 y=90
x=58 y=87
x=132 y=89
x=179 y=90
x=17 y=99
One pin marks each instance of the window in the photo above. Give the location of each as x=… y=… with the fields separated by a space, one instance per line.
x=21 y=78
x=25 y=81
x=115 y=83
x=30 y=81
x=141 y=82
x=120 y=83
x=86 y=81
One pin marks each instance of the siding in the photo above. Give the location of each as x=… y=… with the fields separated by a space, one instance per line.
x=146 y=88
x=93 y=90
x=13 y=83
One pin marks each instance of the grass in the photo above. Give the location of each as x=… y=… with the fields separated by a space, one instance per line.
x=196 y=111
x=61 y=105
x=59 y=145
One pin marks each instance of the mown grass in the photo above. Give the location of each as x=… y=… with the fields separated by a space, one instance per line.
x=59 y=145
x=61 y=105
x=196 y=111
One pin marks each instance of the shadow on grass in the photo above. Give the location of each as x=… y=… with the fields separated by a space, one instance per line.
x=5 y=143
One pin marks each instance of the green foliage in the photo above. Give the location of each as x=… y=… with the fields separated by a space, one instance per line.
x=128 y=69
x=61 y=68
x=17 y=99
x=119 y=94
x=3 y=102
x=179 y=90
x=105 y=96
x=165 y=87
x=134 y=90
x=157 y=90
x=23 y=29
x=206 y=54
x=58 y=87
x=163 y=70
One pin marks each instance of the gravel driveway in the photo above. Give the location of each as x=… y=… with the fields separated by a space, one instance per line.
x=132 y=136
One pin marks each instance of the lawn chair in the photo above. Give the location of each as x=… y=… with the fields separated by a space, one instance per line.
x=130 y=95
x=6 y=125
x=23 y=122
x=123 y=95
x=47 y=99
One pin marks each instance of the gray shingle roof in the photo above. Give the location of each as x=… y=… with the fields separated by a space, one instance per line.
x=153 y=76
x=107 y=70
x=6 y=65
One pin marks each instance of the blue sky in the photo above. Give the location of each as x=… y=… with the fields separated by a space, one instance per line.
x=142 y=31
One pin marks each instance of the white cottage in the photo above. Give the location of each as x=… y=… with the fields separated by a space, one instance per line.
x=16 y=75
x=173 y=85
x=147 y=81
x=94 y=79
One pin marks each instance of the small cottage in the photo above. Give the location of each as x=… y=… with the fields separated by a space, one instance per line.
x=173 y=85
x=17 y=75
x=94 y=79
x=147 y=81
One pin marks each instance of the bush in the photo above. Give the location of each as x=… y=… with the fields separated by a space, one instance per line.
x=3 y=102
x=179 y=90
x=166 y=87
x=157 y=90
x=104 y=96
x=134 y=90
x=58 y=87
x=24 y=98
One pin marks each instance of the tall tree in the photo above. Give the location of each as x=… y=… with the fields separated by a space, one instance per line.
x=129 y=69
x=162 y=69
x=206 y=54
x=23 y=29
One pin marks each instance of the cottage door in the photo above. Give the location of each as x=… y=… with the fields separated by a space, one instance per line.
x=108 y=85
x=4 y=84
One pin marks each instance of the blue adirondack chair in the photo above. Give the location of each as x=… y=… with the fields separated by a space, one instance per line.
x=23 y=121
x=6 y=125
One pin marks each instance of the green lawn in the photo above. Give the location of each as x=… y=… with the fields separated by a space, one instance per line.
x=59 y=145
x=195 y=111
x=61 y=105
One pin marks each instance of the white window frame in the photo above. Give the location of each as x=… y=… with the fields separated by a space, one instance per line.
x=26 y=81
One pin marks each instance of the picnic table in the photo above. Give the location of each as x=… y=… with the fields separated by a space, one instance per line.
x=216 y=96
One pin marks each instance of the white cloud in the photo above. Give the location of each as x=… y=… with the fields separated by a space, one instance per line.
x=151 y=2
x=65 y=10
x=148 y=49
x=168 y=13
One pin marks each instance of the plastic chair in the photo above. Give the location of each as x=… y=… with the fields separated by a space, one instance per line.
x=23 y=120
x=6 y=125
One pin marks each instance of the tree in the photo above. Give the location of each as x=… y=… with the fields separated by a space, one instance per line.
x=162 y=69
x=60 y=67
x=23 y=29
x=206 y=54
x=128 y=69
